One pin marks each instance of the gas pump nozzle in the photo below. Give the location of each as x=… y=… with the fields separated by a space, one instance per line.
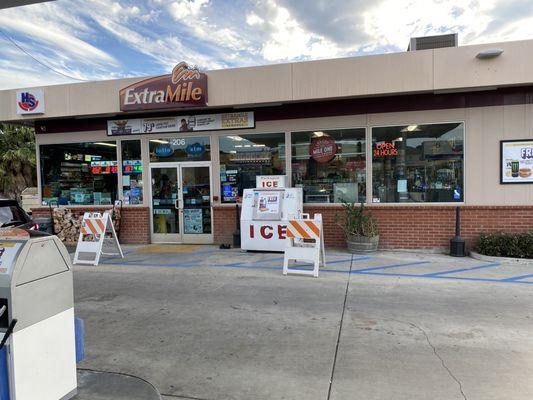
x=8 y=332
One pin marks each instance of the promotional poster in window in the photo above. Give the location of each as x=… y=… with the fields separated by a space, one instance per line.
x=517 y=161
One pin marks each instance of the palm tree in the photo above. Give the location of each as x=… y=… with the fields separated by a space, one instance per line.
x=17 y=159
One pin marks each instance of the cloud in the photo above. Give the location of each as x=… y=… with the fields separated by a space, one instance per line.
x=186 y=8
x=53 y=32
x=98 y=39
x=254 y=19
x=340 y=22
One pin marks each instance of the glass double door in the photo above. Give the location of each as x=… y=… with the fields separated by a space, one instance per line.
x=181 y=198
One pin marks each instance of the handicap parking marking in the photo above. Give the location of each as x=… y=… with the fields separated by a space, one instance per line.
x=169 y=265
x=518 y=278
x=406 y=264
x=453 y=271
x=280 y=266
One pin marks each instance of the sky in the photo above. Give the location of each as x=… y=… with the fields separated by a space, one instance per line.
x=110 y=39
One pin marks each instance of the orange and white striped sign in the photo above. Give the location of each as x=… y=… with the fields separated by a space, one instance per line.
x=303 y=229
x=102 y=230
x=93 y=226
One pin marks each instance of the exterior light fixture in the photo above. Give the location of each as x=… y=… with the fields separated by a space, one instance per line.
x=106 y=144
x=490 y=53
x=159 y=141
x=410 y=128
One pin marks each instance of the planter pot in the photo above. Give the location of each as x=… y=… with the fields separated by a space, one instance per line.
x=362 y=244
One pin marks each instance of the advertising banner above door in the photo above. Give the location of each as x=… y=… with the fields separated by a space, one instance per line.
x=183 y=123
x=185 y=87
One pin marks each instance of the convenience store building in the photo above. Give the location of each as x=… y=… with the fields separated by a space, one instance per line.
x=412 y=135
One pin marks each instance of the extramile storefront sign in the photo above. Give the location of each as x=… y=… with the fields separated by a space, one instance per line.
x=185 y=87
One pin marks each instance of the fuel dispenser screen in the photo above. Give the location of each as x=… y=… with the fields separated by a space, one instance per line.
x=8 y=253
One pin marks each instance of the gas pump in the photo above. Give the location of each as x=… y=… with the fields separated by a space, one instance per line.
x=37 y=336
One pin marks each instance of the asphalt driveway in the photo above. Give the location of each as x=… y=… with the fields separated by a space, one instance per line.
x=202 y=323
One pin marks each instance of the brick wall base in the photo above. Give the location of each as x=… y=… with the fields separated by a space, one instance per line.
x=400 y=227
x=134 y=223
x=408 y=227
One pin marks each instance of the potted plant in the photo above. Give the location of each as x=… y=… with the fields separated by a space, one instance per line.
x=360 y=227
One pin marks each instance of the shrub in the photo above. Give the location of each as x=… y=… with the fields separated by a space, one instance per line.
x=358 y=221
x=516 y=245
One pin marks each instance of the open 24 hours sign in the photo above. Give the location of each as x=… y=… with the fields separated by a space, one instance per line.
x=516 y=165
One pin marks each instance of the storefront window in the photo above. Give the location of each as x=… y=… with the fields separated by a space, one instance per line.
x=418 y=163
x=132 y=179
x=330 y=165
x=180 y=149
x=79 y=173
x=243 y=157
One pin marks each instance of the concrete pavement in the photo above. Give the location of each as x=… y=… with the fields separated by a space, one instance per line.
x=211 y=324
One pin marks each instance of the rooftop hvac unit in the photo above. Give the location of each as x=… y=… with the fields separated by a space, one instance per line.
x=433 y=42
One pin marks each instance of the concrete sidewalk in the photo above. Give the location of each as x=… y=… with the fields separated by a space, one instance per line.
x=213 y=324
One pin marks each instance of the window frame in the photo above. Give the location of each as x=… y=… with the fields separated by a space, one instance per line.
x=367 y=152
x=144 y=175
x=418 y=204
x=283 y=135
x=78 y=140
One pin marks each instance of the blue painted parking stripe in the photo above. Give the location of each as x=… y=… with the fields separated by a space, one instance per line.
x=458 y=278
x=243 y=265
x=517 y=278
x=391 y=266
x=452 y=271
x=179 y=264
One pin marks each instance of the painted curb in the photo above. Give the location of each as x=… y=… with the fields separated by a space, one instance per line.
x=518 y=261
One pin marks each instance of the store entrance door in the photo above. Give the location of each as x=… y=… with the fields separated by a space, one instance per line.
x=181 y=199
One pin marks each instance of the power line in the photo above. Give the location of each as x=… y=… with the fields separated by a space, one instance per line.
x=11 y=40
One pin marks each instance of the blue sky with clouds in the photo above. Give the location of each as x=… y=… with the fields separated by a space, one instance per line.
x=107 y=39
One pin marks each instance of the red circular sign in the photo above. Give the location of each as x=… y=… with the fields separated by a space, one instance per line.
x=322 y=149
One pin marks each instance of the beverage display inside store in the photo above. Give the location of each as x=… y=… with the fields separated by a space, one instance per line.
x=72 y=174
x=244 y=157
x=330 y=166
x=417 y=163
x=132 y=172
x=132 y=181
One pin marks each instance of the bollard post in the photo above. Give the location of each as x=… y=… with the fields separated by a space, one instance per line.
x=457 y=244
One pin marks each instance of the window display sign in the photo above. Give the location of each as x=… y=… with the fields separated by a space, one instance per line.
x=322 y=149
x=270 y=181
x=104 y=167
x=183 y=123
x=385 y=149
x=192 y=220
x=132 y=167
x=516 y=164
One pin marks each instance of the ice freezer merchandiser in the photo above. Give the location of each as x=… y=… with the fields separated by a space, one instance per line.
x=37 y=316
x=264 y=216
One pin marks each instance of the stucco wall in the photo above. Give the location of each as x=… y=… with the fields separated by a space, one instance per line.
x=408 y=72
